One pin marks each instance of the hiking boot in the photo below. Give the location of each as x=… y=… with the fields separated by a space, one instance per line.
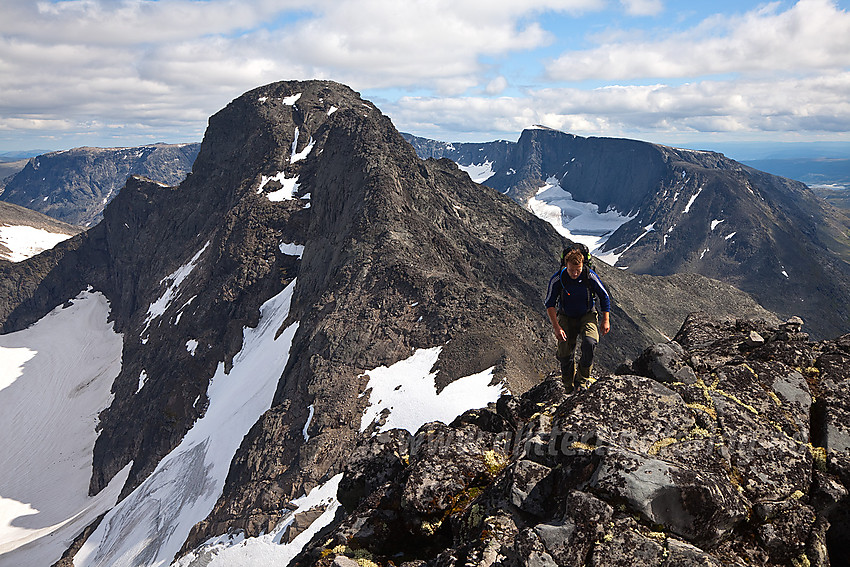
x=583 y=378
x=568 y=374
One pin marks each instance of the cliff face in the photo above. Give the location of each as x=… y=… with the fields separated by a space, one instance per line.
x=309 y=248
x=725 y=446
x=690 y=212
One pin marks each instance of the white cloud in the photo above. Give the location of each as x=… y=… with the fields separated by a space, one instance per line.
x=496 y=86
x=138 y=71
x=811 y=35
x=791 y=104
x=643 y=7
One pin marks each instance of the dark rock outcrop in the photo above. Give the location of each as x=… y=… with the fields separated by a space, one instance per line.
x=727 y=467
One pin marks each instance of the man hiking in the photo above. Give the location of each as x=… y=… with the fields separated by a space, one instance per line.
x=573 y=291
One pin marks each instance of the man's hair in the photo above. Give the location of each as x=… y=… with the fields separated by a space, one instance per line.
x=573 y=255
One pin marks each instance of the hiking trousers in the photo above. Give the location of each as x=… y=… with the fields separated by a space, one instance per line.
x=586 y=327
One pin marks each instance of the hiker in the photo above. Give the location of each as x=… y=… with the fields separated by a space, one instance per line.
x=573 y=290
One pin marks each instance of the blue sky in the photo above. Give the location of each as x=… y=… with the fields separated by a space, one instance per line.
x=697 y=74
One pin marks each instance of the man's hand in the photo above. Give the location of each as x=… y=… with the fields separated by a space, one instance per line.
x=560 y=334
x=606 y=323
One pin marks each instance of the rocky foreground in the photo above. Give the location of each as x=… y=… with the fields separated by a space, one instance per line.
x=729 y=445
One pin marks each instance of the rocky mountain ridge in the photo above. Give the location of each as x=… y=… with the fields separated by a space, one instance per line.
x=75 y=185
x=305 y=189
x=691 y=212
x=726 y=446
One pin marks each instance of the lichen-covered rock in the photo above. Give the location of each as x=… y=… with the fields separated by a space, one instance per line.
x=444 y=464
x=531 y=487
x=372 y=464
x=784 y=527
x=569 y=540
x=727 y=462
x=661 y=361
x=697 y=505
x=632 y=412
x=834 y=370
x=681 y=554
x=624 y=546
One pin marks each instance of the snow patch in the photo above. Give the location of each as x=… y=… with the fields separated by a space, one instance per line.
x=479 y=172
x=576 y=220
x=292 y=249
x=408 y=391
x=269 y=550
x=289 y=186
x=691 y=202
x=291 y=100
x=149 y=526
x=611 y=258
x=306 y=435
x=143 y=378
x=191 y=346
x=56 y=377
x=730 y=236
x=298 y=156
x=158 y=307
x=26 y=241
x=715 y=222
x=331 y=110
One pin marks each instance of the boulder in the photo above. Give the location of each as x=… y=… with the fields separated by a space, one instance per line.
x=699 y=506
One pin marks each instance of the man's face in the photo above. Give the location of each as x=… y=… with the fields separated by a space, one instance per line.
x=574 y=268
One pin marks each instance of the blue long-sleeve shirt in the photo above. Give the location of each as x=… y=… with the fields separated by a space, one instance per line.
x=575 y=297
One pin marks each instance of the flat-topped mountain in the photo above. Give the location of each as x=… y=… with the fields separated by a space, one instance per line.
x=75 y=185
x=678 y=211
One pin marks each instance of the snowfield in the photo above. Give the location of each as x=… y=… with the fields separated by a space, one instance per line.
x=26 y=241
x=55 y=378
x=576 y=220
x=408 y=392
x=150 y=525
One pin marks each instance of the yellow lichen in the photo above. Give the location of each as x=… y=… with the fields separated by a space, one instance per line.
x=818 y=456
x=366 y=563
x=430 y=528
x=699 y=432
x=737 y=400
x=495 y=462
x=582 y=446
x=709 y=410
x=660 y=444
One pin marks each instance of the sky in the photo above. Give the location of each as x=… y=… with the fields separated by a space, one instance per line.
x=112 y=73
